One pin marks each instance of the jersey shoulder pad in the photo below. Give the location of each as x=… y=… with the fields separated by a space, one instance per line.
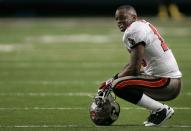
x=135 y=34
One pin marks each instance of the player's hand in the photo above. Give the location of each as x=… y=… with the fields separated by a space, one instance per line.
x=104 y=86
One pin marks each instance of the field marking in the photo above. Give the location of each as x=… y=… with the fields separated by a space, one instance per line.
x=43 y=94
x=70 y=94
x=177 y=126
x=38 y=126
x=26 y=64
x=177 y=32
x=140 y=108
x=62 y=82
x=82 y=126
x=74 y=38
x=49 y=94
x=7 y=48
x=76 y=108
x=42 y=108
x=188 y=93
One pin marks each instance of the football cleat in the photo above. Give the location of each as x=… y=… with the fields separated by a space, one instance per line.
x=158 y=117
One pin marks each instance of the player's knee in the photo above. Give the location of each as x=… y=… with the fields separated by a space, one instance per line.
x=117 y=92
x=132 y=95
x=175 y=91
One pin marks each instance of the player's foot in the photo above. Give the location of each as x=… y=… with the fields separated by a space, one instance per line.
x=157 y=118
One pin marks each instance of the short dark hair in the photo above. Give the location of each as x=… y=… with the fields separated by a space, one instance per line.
x=128 y=8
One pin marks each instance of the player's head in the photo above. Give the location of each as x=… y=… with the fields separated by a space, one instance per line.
x=125 y=15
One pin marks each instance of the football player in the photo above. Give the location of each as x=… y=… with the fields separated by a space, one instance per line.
x=160 y=79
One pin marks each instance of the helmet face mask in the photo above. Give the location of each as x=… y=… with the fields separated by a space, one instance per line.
x=104 y=111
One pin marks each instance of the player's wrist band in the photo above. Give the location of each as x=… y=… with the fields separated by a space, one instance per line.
x=115 y=76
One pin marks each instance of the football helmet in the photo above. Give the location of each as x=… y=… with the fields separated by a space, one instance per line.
x=104 y=110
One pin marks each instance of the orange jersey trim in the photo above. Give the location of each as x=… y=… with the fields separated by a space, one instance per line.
x=151 y=84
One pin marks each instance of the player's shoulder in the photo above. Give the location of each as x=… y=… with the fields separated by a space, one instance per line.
x=136 y=33
x=139 y=25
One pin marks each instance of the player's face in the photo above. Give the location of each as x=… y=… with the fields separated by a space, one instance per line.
x=123 y=19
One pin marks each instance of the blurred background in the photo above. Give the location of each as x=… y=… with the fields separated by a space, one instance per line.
x=41 y=8
x=55 y=53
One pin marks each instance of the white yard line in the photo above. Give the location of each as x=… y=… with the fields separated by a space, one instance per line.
x=177 y=126
x=74 y=82
x=76 y=108
x=41 y=108
x=48 y=94
x=38 y=126
x=82 y=126
x=188 y=93
x=139 y=108
x=75 y=38
x=7 y=47
x=89 y=94
x=60 y=64
x=176 y=32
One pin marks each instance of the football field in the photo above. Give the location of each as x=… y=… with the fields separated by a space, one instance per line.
x=50 y=70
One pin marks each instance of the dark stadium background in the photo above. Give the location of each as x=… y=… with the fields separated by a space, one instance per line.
x=39 y=8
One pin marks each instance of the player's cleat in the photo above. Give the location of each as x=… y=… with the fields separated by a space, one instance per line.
x=157 y=118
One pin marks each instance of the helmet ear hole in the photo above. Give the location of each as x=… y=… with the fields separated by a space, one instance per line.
x=106 y=113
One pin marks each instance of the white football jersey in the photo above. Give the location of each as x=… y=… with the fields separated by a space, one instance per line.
x=158 y=58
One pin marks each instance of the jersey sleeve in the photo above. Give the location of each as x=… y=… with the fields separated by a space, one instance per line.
x=135 y=35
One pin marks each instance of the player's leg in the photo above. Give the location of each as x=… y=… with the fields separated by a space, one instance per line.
x=169 y=92
x=133 y=90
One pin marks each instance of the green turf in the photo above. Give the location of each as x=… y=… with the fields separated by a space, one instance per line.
x=39 y=56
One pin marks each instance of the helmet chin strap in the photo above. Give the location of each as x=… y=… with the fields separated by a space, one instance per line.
x=104 y=94
x=102 y=97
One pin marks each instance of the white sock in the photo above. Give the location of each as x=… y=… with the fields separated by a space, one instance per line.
x=149 y=103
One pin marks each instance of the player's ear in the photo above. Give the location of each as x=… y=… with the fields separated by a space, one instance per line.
x=134 y=17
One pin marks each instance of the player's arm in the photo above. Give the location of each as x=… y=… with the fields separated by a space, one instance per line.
x=131 y=69
x=134 y=65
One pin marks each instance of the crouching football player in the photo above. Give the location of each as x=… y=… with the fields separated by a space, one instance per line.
x=160 y=80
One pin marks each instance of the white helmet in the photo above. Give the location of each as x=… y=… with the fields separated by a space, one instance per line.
x=104 y=110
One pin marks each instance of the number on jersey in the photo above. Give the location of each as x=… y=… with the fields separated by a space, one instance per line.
x=163 y=43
